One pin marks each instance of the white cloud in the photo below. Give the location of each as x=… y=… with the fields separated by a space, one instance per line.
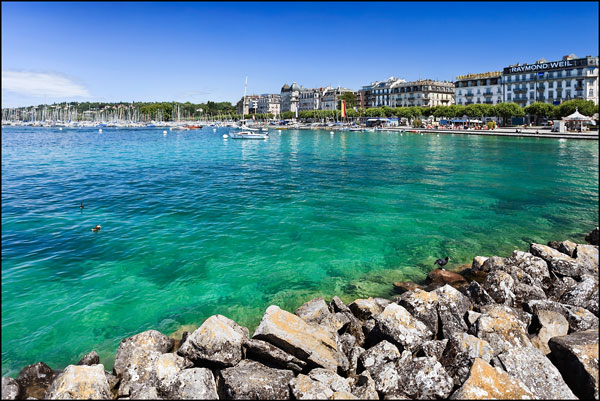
x=39 y=84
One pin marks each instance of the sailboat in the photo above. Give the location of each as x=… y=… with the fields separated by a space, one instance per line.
x=246 y=132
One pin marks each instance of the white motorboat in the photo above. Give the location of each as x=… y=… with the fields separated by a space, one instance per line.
x=246 y=132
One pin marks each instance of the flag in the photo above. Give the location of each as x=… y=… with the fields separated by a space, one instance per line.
x=343 y=108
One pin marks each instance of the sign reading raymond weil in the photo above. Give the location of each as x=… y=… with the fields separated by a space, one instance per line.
x=551 y=65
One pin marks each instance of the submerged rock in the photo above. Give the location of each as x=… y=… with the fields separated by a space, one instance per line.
x=541 y=377
x=253 y=380
x=576 y=356
x=81 y=382
x=218 y=341
x=403 y=286
x=444 y=276
x=35 y=379
x=592 y=237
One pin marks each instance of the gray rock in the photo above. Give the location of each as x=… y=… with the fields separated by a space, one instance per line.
x=353 y=359
x=317 y=312
x=587 y=257
x=503 y=327
x=368 y=327
x=343 y=395
x=478 y=262
x=460 y=353
x=532 y=265
x=331 y=380
x=336 y=305
x=493 y=263
x=576 y=357
x=354 y=327
x=379 y=355
x=432 y=348
x=365 y=308
x=194 y=384
x=524 y=292
x=218 y=341
x=80 y=382
x=364 y=387
x=346 y=342
x=500 y=286
x=380 y=362
x=91 y=358
x=269 y=354
x=303 y=340
x=471 y=317
x=10 y=388
x=305 y=388
x=398 y=326
x=558 y=262
x=555 y=287
x=424 y=378
x=150 y=340
x=592 y=237
x=585 y=294
x=477 y=294
x=253 y=380
x=551 y=324
x=144 y=392
x=35 y=379
x=541 y=377
x=452 y=307
x=423 y=306
x=567 y=247
x=579 y=319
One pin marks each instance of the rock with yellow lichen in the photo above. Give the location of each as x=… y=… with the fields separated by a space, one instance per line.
x=451 y=309
x=576 y=356
x=80 y=382
x=316 y=311
x=253 y=380
x=149 y=340
x=218 y=341
x=398 y=326
x=460 y=353
x=422 y=305
x=305 y=388
x=503 y=327
x=486 y=382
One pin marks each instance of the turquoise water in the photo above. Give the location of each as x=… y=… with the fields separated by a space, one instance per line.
x=194 y=225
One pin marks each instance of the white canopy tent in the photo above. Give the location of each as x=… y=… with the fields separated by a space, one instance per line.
x=577 y=119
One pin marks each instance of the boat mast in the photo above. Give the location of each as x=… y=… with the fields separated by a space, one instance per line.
x=244 y=99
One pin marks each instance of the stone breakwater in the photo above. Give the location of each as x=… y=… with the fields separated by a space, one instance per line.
x=520 y=327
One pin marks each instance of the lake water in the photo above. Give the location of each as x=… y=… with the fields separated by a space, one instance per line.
x=194 y=225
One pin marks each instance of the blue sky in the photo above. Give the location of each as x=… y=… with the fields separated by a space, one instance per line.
x=196 y=52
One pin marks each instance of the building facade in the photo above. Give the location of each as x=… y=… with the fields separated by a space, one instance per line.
x=310 y=99
x=330 y=97
x=484 y=88
x=269 y=103
x=424 y=93
x=551 y=82
x=378 y=93
x=250 y=106
x=290 y=97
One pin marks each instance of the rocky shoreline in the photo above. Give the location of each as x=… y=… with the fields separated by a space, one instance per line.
x=520 y=327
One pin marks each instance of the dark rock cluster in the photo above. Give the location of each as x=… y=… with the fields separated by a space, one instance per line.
x=520 y=327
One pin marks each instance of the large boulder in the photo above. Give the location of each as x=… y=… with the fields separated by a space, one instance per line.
x=552 y=324
x=422 y=305
x=10 y=388
x=460 y=353
x=567 y=247
x=585 y=294
x=441 y=275
x=558 y=262
x=477 y=294
x=35 y=379
x=218 y=341
x=592 y=237
x=532 y=265
x=424 y=379
x=503 y=328
x=579 y=319
x=493 y=263
x=305 y=388
x=541 y=377
x=81 y=382
x=432 y=348
x=253 y=380
x=365 y=308
x=500 y=286
x=303 y=340
x=398 y=326
x=317 y=312
x=194 y=384
x=576 y=356
x=486 y=382
x=150 y=340
x=451 y=308
x=90 y=358
x=381 y=363
x=331 y=379
x=587 y=257
x=269 y=354
x=478 y=262
x=364 y=387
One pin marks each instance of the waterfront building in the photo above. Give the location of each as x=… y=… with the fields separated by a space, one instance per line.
x=290 y=97
x=378 y=93
x=330 y=97
x=484 y=88
x=269 y=103
x=310 y=99
x=424 y=92
x=250 y=105
x=551 y=81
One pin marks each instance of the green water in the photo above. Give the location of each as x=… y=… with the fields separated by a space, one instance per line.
x=194 y=225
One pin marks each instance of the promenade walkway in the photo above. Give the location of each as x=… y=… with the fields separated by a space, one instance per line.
x=525 y=132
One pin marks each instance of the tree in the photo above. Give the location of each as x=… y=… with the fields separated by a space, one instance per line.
x=507 y=110
x=350 y=99
x=585 y=107
x=537 y=110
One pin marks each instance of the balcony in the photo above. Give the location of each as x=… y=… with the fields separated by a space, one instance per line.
x=541 y=88
x=578 y=87
x=469 y=94
x=488 y=94
x=520 y=90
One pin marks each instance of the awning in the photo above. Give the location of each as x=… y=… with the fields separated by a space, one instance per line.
x=577 y=116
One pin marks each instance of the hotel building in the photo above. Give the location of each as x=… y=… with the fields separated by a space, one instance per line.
x=551 y=81
x=310 y=99
x=329 y=99
x=290 y=97
x=269 y=103
x=483 y=88
x=250 y=105
x=424 y=92
x=378 y=93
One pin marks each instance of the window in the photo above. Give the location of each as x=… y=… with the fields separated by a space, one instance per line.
x=551 y=84
x=591 y=93
x=459 y=92
x=550 y=94
x=568 y=73
x=568 y=84
x=531 y=76
x=508 y=97
x=507 y=87
x=568 y=93
x=531 y=85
